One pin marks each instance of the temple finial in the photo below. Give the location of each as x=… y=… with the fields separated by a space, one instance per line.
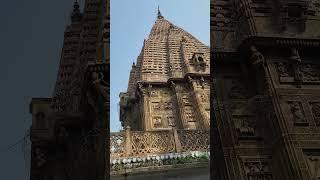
x=76 y=14
x=76 y=4
x=159 y=13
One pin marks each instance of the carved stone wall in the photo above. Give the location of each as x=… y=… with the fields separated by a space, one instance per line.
x=266 y=89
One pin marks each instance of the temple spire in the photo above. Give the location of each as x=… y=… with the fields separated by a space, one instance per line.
x=76 y=5
x=76 y=14
x=159 y=14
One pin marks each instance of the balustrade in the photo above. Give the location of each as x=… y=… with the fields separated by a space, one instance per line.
x=141 y=143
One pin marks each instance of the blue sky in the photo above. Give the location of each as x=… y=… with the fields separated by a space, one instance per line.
x=131 y=23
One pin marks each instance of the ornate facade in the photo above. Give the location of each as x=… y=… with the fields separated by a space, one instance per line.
x=265 y=89
x=69 y=130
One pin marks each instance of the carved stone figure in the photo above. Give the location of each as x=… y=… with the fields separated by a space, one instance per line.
x=298 y=75
x=257 y=170
x=171 y=120
x=297 y=113
x=167 y=105
x=309 y=72
x=100 y=85
x=189 y=115
x=156 y=106
x=253 y=167
x=258 y=63
x=244 y=126
x=186 y=100
x=282 y=70
x=157 y=122
x=256 y=57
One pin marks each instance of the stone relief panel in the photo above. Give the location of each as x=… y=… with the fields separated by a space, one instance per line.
x=297 y=113
x=202 y=84
x=171 y=120
x=222 y=16
x=201 y=94
x=186 y=101
x=312 y=158
x=167 y=105
x=157 y=121
x=161 y=106
x=315 y=109
x=243 y=119
x=284 y=73
x=245 y=126
x=310 y=72
x=189 y=114
x=257 y=169
x=190 y=117
x=282 y=69
x=155 y=106
x=307 y=72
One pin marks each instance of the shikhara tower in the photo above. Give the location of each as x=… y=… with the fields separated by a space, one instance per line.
x=84 y=43
x=69 y=130
x=169 y=83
